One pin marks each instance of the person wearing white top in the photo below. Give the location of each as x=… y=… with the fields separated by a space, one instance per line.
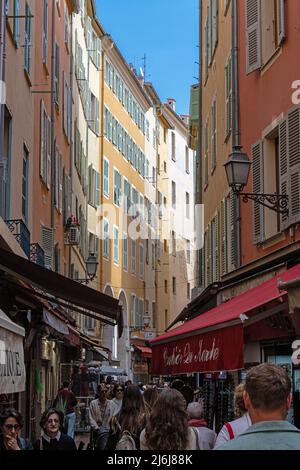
x=234 y=428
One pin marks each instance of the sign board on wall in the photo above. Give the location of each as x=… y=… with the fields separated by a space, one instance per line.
x=12 y=367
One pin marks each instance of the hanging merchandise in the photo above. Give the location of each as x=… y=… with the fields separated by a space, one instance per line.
x=218 y=394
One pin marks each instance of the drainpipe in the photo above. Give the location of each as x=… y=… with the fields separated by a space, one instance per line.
x=71 y=118
x=2 y=73
x=52 y=113
x=235 y=115
x=87 y=144
x=198 y=172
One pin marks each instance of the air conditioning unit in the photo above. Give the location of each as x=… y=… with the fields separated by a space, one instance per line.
x=73 y=236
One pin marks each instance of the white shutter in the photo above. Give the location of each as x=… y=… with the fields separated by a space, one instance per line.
x=48 y=246
x=293 y=121
x=97 y=188
x=253 y=35
x=258 y=188
x=89 y=35
x=98 y=53
x=90 y=195
x=97 y=117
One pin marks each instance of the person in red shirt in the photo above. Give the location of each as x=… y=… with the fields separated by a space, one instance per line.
x=69 y=400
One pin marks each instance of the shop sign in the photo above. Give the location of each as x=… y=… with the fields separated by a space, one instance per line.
x=12 y=368
x=214 y=351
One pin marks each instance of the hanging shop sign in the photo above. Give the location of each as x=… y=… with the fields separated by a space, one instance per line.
x=12 y=367
x=214 y=351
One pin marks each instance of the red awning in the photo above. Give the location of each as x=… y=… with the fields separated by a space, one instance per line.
x=214 y=341
x=146 y=351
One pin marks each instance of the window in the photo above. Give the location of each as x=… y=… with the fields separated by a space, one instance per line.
x=173 y=194
x=265 y=31
x=94 y=187
x=16 y=22
x=45 y=150
x=173 y=243
x=27 y=39
x=67 y=103
x=160 y=205
x=214 y=135
x=153 y=256
x=174 y=285
x=116 y=245
x=188 y=290
x=166 y=286
x=141 y=261
x=187 y=205
x=58 y=174
x=228 y=90
x=66 y=27
x=25 y=184
x=94 y=119
x=45 y=31
x=47 y=241
x=165 y=166
x=188 y=252
x=206 y=155
x=106 y=238
x=125 y=251
x=173 y=147
x=147 y=250
x=106 y=177
x=127 y=196
x=133 y=256
x=187 y=160
x=56 y=75
x=147 y=130
x=117 y=188
x=153 y=177
x=93 y=243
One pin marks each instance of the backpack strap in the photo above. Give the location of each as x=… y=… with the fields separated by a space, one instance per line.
x=198 y=444
x=230 y=430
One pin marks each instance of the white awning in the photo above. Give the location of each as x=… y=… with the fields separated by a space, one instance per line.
x=12 y=367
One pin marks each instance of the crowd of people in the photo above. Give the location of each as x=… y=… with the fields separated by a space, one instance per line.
x=132 y=417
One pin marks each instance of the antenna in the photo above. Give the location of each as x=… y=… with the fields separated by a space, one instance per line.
x=144 y=60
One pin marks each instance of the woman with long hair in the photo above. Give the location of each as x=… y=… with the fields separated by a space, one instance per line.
x=131 y=418
x=167 y=427
x=150 y=396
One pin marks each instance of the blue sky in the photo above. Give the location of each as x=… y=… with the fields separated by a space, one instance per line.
x=167 y=32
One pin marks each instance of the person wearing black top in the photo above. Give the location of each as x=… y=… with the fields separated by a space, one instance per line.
x=11 y=423
x=52 y=437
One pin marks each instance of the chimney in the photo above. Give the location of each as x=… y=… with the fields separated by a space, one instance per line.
x=172 y=103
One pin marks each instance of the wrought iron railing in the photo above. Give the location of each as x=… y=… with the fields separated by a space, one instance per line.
x=21 y=234
x=37 y=254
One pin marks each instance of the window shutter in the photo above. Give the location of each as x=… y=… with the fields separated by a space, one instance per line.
x=97 y=188
x=281 y=33
x=97 y=124
x=90 y=184
x=258 y=188
x=98 y=56
x=223 y=237
x=60 y=181
x=43 y=143
x=65 y=104
x=89 y=35
x=209 y=254
x=217 y=254
x=253 y=35
x=48 y=164
x=214 y=25
x=48 y=246
x=233 y=231
x=283 y=167
x=209 y=25
x=293 y=120
x=55 y=176
x=3 y=179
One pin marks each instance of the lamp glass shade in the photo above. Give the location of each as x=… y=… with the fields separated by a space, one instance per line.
x=91 y=265
x=237 y=170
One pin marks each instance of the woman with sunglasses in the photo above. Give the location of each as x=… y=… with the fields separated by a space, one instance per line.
x=118 y=394
x=52 y=438
x=11 y=423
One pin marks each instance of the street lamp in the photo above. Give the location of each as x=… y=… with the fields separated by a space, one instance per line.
x=237 y=170
x=91 y=269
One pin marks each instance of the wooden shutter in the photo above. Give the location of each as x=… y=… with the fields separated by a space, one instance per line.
x=214 y=25
x=280 y=11
x=43 y=143
x=233 y=231
x=48 y=155
x=223 y=232
x=48 y=246
x=283 y=167
x=293 y=121
x=253 y=35
x=258 y=188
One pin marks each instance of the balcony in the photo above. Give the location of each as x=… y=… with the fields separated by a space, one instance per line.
x=37 y=255
x=21 y=234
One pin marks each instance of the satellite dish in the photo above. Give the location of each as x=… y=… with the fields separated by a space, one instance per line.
x=141 y=72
